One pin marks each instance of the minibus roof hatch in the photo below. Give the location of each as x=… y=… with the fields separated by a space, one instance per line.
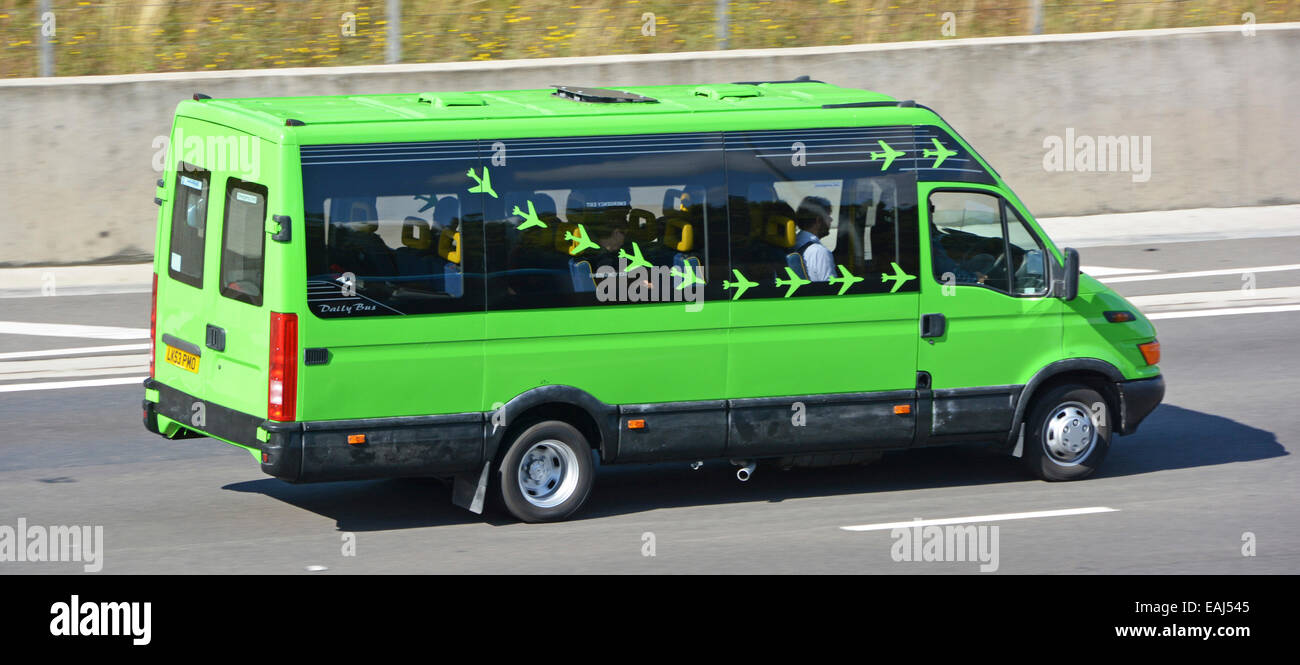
x=600 y=95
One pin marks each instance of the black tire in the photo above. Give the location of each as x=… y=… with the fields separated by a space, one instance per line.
x=1048 y=451
x=551 y=492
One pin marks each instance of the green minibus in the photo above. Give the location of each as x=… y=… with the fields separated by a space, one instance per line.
x=502 y=288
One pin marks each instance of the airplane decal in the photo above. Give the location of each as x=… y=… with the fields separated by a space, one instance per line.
x=741 y=284
x=484 y=184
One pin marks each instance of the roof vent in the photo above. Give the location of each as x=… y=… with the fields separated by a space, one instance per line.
x=600 y=95
x=445 y=99
x=727 y=91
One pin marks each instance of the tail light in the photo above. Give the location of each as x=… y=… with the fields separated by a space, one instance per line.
x=1150 y=352
x=282 y=377
x=153 y=323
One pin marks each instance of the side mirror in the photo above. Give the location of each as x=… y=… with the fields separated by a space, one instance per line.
x=1070 y=280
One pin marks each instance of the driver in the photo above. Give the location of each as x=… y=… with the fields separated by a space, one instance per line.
x=974 y=271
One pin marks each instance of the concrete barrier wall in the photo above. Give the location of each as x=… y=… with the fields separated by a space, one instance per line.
x=1217 y=106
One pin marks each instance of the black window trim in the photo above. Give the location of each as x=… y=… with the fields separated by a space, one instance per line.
x=233 y=183
x=185 y=169
x=1042 y=248
x=1004 y=202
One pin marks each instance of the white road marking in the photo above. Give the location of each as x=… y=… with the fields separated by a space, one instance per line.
x=16 y=355
x=62 y=367
x=1103 y=271
x=70 y=330
x=1279 y=295
x=1201 y=273
x=52 y=385
x=78 y=372
x=1225 y=311
x=980 y=518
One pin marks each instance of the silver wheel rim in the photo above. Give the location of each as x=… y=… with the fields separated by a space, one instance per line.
x=1070 y=434
x=548 y=473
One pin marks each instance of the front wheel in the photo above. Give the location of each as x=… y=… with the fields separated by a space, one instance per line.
x=546 y=473
x=1067 y=434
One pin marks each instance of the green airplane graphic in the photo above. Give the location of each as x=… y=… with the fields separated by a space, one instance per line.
x=848 y=280
x=887 y=153
x=794 y=282
x=531 y=219
x=741 y=284
x=484 y=184
x=688 y=276
x=583 y=240
x=939 y=151
x=634 y=260
x=897 y=278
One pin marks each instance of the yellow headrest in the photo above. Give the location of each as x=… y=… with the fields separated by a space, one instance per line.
x=416 y=235
x=780 y=231
x=449 y=245
x=562 y=245
x=679 y=234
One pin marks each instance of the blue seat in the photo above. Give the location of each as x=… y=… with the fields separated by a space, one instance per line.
x=795 y=261
x=583 y=279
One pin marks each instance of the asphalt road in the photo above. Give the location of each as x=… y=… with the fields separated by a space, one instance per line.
x=1213 y=463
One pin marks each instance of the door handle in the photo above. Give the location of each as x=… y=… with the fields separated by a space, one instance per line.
x=933 y=325
x=216 y=338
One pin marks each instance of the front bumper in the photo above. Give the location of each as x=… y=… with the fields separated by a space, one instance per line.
x=1138 y=398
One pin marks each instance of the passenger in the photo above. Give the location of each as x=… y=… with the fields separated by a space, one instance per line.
x=814 y=221
x=611 y=235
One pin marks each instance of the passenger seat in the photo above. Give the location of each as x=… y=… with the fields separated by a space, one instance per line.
x=447 y=213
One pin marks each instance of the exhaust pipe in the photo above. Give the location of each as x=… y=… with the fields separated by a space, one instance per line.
x=746 y=471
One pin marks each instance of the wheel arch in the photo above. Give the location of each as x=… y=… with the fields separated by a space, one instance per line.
x=1092 y=372
x=597 y=420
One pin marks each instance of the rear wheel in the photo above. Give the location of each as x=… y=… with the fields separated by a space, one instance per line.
x=546 y=473
x=1067 y=434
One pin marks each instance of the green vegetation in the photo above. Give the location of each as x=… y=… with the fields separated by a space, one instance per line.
x=126 y=36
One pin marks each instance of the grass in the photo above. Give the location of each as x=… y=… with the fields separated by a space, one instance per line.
x=128 y=36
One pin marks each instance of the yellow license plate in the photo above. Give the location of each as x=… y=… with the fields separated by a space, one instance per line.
x=182 y=359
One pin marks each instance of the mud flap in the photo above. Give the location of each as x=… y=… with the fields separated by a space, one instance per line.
x=1020 y=442
x=468 y=492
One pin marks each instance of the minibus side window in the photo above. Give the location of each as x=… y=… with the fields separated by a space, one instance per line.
x=603 y=220
x=189 y=225
x=243 y=242
x=977 y=238
x=811 y=205
x=394 y=229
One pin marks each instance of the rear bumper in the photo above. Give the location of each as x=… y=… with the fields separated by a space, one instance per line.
x=314 y=451
x=1138 y=398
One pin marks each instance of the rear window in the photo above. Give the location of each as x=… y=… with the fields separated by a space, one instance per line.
x=189 y=225
x=243 y=241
